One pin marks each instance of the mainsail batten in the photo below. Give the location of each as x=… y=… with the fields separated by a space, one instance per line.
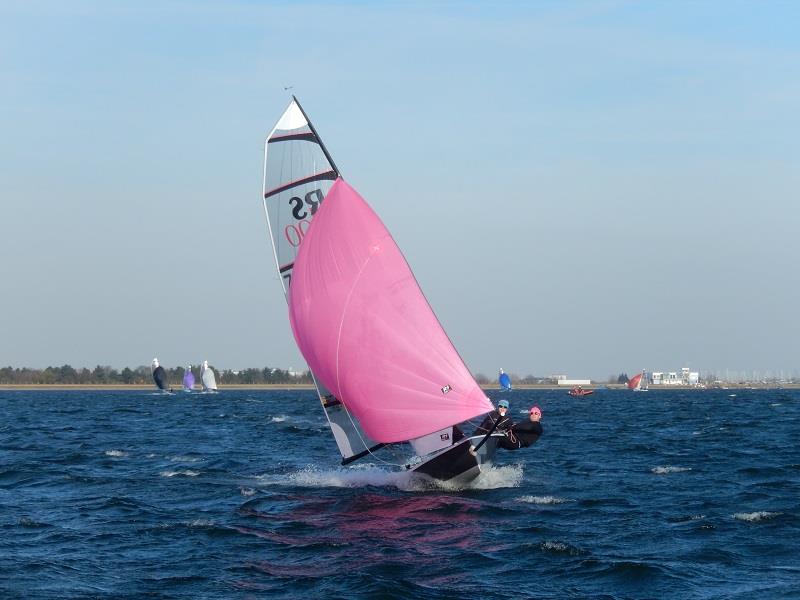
x=367 y=331
x=327 y=175
x=298 y=172
x=308 y=137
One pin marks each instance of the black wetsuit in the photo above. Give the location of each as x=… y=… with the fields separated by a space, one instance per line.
x=522 y=435
x=504 y=424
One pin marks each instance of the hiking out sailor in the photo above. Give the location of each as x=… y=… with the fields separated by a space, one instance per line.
x=498 y=416
x=495 y=422
x=525 y=433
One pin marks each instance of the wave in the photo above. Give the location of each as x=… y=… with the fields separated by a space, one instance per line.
x=753 y=517
x=247 y=491
x=28 y=522
x=116 y=453
x=555 y=547
x=669 y=469
x=628 y=571
x=278 y=419
x=186 y=473
x=184 y=458
x=541 y=500
x=508 y=476
x=686 y=518
x=199 y=523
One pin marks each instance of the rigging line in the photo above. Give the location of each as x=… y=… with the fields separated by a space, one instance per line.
x=366 y=446
x=488 y=435
x=363 y=441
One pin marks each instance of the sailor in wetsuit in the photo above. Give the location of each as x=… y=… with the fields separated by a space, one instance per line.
x=526 y=433
x=498 y=416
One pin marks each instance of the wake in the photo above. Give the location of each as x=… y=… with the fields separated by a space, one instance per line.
x=374 y=476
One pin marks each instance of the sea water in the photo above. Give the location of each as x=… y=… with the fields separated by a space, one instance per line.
x=669 y=494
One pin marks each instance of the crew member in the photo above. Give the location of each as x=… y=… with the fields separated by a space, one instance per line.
x=498 y=416
x=525 y=433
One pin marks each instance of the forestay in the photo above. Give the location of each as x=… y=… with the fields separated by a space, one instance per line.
x=298 y=173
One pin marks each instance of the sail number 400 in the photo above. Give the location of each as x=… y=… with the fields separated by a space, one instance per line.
x=294 y=232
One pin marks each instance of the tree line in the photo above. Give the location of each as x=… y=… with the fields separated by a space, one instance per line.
x=482 y=379
x=100 y=375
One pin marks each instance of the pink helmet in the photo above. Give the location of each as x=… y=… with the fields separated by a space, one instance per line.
x=536 y=410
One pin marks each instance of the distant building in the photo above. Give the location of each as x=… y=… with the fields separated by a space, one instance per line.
x=686 y=377
x=566 y=381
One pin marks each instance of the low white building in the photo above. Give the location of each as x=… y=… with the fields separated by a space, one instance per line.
x=685 y=377
x=574 y=381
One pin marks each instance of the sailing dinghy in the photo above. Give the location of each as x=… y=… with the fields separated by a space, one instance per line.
x=504 y=380
x=638 y=383
x=160 y=376
x=207 y=377
x=188 y=379
x=385 y=370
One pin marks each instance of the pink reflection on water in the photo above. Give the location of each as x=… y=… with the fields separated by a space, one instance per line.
x=375 y=529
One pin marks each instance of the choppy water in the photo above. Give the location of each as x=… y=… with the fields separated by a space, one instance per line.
x=669 y=494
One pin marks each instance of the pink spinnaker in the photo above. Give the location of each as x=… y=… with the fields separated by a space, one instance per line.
x=367 y=331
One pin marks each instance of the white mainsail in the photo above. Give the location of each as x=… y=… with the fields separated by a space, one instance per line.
x=208 y=378
x=298 y=173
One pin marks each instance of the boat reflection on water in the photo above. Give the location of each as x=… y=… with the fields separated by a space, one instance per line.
x=318 y=537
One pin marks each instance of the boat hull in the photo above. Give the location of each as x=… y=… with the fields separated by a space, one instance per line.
x=456 y=464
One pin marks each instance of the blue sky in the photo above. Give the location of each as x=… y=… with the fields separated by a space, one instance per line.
x=580 y=187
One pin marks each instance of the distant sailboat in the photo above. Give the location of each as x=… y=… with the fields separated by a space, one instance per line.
x=638 y=383
x=505 y=380
x=160 y=376
x=207 y=377
x=385 y=370
x=188 y=379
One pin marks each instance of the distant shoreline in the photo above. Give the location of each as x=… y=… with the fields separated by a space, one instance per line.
x=306 y=386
